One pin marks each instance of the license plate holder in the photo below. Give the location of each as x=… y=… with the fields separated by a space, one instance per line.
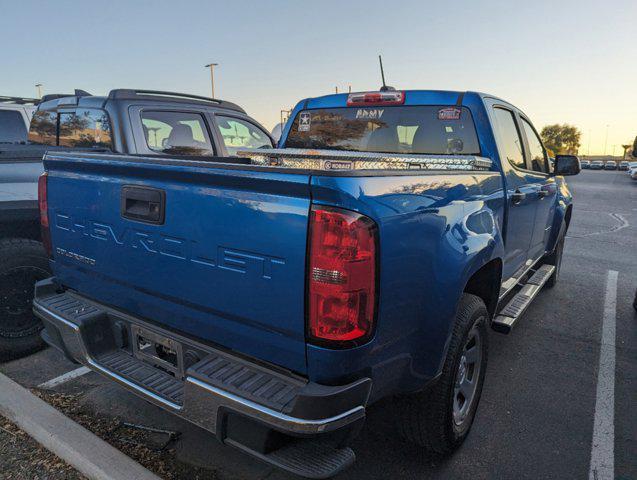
x=158 y=350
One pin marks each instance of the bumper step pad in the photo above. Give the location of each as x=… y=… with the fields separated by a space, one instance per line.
x=506 y=318
x=307 y=458
x=247 y=380
x=152 y=379
x=69 y=307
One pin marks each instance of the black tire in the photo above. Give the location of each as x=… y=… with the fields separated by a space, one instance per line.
x=555 y=259
x=429 y=417
x=22 y=263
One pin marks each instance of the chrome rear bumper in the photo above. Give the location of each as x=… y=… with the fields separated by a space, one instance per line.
x=83 y=330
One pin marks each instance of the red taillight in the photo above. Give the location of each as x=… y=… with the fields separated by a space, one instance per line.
x=43 y=205
x=375 y=98
x=342 y=271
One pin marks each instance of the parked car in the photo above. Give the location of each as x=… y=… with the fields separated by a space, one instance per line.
x=22 y=259
x=271 y=298
x=164 y=124
x=597 y=165
x=610 y=165
x=632 y=172
x=15 y=115
x=585 y=164
x=623 y=165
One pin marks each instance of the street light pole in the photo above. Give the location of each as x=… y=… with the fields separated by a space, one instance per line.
x=606 y=139
x=39 y=87
x=212 y=76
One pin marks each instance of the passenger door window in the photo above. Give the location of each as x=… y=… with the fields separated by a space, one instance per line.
x=85 y=128
x=241 y=135
x=509 y=139
x=176 y=133
x=538 y=155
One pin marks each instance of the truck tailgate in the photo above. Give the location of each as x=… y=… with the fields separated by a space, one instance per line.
x=212 y=251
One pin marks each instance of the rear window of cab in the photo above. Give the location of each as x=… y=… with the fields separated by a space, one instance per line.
x=437 y=130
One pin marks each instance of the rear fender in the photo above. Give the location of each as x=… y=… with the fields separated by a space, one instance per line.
x=436 y=231
x=486 y=246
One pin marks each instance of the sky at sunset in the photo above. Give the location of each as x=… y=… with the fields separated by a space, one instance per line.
x=559 y=61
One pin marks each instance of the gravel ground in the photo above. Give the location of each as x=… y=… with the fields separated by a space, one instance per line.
x=22 y=458
x=151 y=449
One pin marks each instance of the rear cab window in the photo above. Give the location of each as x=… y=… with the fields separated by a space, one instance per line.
x=85 y=128
x=436 y=130
x=80 y=128
x=176 y=133
x=43 y=129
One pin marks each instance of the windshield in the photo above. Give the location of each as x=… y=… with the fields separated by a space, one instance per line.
x=438 y=130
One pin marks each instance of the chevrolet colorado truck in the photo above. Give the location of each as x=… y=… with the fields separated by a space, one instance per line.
x=149 y=123
x=271 y=297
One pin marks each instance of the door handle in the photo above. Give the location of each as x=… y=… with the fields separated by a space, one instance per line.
x=517 y=197
x=143 y=204
x=543 y=193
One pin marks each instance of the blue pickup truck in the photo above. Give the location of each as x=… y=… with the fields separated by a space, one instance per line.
x=272 y=294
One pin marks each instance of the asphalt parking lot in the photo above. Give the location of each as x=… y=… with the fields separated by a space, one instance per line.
x=542 y=414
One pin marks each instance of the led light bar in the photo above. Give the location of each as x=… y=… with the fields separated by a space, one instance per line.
x=307 y=159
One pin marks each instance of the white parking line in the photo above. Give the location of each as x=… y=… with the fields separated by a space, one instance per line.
x=78 y=372
x=603 y=447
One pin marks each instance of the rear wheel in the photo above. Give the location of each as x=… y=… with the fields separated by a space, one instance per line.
x=22 y=263
x=439 y=418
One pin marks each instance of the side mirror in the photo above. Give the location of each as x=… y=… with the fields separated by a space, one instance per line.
x=567 y=165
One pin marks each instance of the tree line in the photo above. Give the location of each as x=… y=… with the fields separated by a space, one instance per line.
x=565 y=139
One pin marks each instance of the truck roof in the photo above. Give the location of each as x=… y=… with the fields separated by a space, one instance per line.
x=412 y=97
x=84 y=99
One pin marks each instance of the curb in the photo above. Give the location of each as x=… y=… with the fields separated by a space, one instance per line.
x=71 y=442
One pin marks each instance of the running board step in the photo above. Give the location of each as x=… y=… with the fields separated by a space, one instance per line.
x=306 y=458
x=507 y=317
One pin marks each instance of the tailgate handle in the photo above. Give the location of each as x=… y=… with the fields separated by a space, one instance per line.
x=143 y=204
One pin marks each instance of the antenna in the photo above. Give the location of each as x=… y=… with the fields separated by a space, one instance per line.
x=382 y=72
x=385 y=87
